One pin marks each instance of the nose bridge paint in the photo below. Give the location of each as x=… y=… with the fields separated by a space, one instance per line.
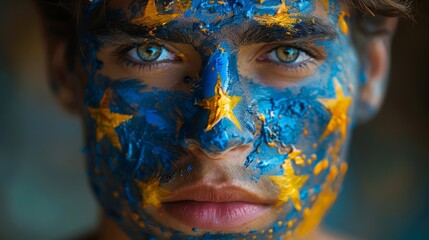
x=221 y=64
x=219 y=123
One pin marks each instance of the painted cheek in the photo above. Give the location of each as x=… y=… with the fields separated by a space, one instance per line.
x=288 y=123
x=302 y=139
x=132 y=139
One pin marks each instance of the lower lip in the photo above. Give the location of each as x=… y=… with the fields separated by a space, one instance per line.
x=214 y=215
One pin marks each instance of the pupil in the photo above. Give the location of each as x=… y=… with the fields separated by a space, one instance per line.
x=287 y=54
x=149 y=52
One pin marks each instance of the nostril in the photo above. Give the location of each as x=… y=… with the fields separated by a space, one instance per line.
x=222 y=141
x=232 y=153
x=222 y=138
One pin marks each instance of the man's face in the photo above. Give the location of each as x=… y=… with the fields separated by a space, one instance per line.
x=218 y=118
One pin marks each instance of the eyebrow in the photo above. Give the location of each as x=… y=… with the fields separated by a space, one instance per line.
x=307 y=29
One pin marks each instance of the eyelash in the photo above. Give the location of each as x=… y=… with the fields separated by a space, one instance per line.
x=133 y=65
x=293 y=67
x=297 y=67
x=122 y=52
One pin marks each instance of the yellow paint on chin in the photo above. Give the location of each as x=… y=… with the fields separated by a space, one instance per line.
x=343 y=168
x=333 y=173
x=324 y=201
x=322 y=165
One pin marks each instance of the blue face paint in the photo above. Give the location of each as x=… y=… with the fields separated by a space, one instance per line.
x=145 y=141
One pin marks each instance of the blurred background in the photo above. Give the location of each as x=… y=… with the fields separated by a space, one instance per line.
x=43 y=189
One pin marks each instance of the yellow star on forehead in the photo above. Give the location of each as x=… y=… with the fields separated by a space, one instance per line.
x=220 y=106
x=289 y=185
x=281 y=18
x=152 y=194
x=107 y=121
x=151 y=18
x=338 y=108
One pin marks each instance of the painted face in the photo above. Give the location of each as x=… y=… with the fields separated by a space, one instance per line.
x=217 y=119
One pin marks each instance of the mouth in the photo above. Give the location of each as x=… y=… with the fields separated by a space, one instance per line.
x=219 y=209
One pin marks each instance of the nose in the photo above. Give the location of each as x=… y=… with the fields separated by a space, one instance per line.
x=220 y=123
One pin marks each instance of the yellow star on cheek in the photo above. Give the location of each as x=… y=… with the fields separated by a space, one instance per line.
x=289 y=185
x=107 y=121
x=152 y=194
x=338 y=108
x=220 y=106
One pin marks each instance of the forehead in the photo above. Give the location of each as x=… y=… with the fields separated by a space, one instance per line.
x=193 y=22
x=218 y=6
x=286 y=13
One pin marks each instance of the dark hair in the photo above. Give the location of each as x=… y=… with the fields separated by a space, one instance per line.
x=386 y=8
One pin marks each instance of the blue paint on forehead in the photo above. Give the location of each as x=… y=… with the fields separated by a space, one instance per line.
x=216 y=6
x=301 y=6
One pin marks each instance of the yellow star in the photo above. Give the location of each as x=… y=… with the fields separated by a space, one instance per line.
x=151 y=18
x=107 y=121
x=289 y=185
x=152 y=194
x=281 y=18
x=338 y=108
x=220 y=106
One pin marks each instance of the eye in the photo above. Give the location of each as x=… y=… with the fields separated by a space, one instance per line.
x=150 y=52
x=281 y=65
x=287 y=55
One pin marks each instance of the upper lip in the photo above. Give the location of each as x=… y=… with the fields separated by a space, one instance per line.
x=207 y=193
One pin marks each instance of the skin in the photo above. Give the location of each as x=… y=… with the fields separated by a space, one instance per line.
x=221 y=106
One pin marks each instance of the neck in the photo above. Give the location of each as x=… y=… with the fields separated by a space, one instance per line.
x=109 y=230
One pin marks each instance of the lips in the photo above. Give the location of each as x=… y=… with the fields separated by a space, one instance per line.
x=206 y=207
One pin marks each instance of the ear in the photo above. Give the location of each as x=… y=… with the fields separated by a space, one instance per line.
x=64 y=75
x=375 y=62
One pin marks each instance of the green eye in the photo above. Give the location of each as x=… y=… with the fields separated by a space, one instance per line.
x=149 y=52
x=287 y=54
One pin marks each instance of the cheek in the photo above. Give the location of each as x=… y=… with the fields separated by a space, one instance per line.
x=133 y=134
x=158 y=117
x=287 y=122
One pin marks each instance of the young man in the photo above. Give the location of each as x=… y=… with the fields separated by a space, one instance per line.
x=211 y=119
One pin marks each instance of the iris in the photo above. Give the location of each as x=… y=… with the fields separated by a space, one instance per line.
x=149 y=52
x=287 y=54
